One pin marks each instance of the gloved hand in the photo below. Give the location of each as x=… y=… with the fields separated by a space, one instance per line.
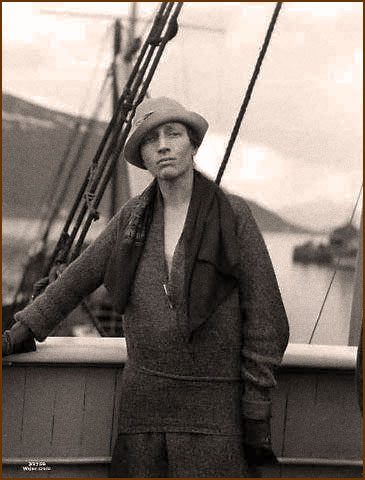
x=260 y=456
x=18 y=339
x=257 y=442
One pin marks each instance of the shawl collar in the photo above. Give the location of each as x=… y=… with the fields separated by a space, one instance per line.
x=121 y=268
x=211 y=252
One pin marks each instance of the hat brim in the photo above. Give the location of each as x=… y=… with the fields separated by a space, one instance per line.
x=193 y=120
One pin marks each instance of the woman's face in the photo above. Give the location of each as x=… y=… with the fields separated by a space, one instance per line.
x=167 y=151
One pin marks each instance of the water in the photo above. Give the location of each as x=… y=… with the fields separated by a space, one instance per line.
x=303 y=288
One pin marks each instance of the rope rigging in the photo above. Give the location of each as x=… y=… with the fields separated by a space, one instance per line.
x=89 y=128
x=236 y=130
x=116 y=134
x=248 y=93
x=84 y=209
x=73 y=137
x=164 y=28
x=55 y=197
x=334 y=273
x=61 y=187
x=96 y=180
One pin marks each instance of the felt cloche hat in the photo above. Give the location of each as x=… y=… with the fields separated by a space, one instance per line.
x=154 y=112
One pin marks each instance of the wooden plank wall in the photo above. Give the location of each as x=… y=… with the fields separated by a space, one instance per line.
x=69 y=414
x=59 y=412
x=316 y=416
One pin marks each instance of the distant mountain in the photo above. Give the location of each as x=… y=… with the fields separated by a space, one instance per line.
x=34 y=141
x=320 y=214
x=272 y=222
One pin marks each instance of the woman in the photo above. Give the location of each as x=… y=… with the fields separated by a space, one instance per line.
x=204 y=322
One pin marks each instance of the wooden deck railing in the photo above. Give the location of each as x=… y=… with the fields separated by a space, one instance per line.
x=60 y=410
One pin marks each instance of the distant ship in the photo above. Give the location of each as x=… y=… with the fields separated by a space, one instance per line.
x=341 y=248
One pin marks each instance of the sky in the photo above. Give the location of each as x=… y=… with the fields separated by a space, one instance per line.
x=299 y=151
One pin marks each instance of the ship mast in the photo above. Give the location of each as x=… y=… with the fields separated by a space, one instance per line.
x=120 y=186
x=120 y=174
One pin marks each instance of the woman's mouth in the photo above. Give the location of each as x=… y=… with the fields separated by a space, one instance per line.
x=165 y=160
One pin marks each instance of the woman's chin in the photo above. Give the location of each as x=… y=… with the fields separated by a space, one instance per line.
x=168 y=173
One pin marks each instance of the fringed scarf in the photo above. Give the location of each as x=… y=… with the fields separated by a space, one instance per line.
x=211 y=250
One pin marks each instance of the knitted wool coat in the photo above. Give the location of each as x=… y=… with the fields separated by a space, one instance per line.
x=209 y=384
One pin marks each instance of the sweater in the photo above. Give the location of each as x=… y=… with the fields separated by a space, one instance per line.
x=208 y=385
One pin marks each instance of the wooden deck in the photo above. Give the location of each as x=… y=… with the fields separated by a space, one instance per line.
x=60 y=409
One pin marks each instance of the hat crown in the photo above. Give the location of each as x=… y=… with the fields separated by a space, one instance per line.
x=155 y=105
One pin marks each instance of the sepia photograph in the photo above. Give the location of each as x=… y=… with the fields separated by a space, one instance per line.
x=182 y=239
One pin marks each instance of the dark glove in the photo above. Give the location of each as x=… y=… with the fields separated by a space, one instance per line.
x=18 y=339
x=260 y=456
x=257 y=442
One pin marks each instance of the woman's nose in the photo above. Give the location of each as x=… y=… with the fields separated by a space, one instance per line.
x=162 y=143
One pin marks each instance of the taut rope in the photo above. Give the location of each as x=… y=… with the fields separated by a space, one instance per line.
x=248 y=93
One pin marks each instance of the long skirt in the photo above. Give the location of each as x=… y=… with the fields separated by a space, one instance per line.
x=178 y=455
